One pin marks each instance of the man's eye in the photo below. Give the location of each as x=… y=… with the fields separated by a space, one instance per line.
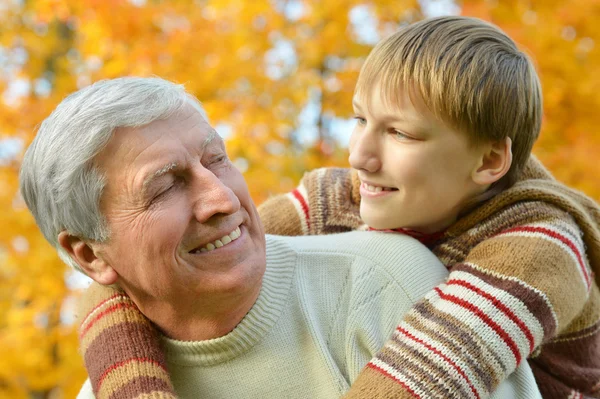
x=168 y=190
x=220 y=159
x=162 y=194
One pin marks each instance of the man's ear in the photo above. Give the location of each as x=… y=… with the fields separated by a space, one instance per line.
x=495 y=162
x=85 y=256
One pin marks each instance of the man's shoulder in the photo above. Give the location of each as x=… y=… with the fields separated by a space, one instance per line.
x=86 y=391
x=369 y=244
x=401 y=258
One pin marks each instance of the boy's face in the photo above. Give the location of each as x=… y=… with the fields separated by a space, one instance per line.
x=416 y=172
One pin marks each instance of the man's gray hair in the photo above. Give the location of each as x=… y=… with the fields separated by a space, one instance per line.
x=59 y=181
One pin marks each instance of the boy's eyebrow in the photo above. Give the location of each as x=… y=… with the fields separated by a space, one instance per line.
x=212 y=134
x=388 y=117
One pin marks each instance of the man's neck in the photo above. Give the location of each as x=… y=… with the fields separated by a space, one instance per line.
x=198 y=319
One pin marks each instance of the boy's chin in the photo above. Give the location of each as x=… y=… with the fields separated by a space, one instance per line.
x=378 y=222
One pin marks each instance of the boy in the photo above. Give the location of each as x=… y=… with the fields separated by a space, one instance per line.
x=447 y=111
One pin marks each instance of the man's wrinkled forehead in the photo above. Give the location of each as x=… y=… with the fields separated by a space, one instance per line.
x=136 y=145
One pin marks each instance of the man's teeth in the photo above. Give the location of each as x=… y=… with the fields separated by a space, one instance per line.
x=376 y=189
x=234 y=235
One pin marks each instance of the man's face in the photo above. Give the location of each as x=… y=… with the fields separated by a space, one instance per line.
x=180 y=214
x=415 y=171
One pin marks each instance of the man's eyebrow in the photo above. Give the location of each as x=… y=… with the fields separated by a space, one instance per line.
x=160 y=172
x=212 y=134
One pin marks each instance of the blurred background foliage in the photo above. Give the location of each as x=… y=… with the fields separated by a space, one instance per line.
x=276 y=77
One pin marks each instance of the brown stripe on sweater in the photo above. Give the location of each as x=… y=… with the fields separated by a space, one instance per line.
x=426 y=368
x=574 y=362
x=332 y=208
x=141 y=342
x=155 y=395
x=535 y=303
x=485 y=361
x=549 y=386
x=536 y=257
x=460 y=345
x=140 y=385
x=457 y=249
x=474 y=344
x=131 y=315
x=588 y=317
x=115 y=378
x=577 y=335
x=282 y=217
x=373 y=384
x=97 y=312
x=418 y=375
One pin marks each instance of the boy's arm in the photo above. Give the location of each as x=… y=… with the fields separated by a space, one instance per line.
x=326 y=201
x=120 y=348
x=514 y=292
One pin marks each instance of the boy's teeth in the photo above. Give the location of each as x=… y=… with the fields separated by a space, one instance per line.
x=373 y=188
x=234 y=235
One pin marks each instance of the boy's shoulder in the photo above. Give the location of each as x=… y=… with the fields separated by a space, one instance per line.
x=333 y=199
x=331 y=177
x=537 y=197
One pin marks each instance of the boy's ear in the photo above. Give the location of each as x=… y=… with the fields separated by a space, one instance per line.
x=495 y=162
x=85 y=256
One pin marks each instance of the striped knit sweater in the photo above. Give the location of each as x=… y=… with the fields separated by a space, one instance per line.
x=521 y=287
x=133 y=367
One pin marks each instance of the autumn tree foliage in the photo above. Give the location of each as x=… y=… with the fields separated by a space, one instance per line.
x=565 y=44
x=276 y=78
x=273 y=76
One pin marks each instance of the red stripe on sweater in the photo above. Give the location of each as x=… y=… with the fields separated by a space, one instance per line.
x=102 y=304
x=440 y=354
x=108 y=310
x=502 y=307
x=125 y=362
x=560 y=237
x=304 y=206
x=486 y=319
x=385 y=373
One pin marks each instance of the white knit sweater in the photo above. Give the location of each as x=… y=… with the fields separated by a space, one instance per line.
x=327 y=305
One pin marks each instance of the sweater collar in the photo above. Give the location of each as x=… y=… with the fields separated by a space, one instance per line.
x=276 y=285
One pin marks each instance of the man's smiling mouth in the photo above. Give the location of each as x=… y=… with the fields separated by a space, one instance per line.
x=226 y=239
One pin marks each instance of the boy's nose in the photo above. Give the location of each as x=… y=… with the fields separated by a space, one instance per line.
x=364 y=153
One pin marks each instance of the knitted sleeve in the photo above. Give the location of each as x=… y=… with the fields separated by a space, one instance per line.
x=120 y=347
x=325 y=202
x=512 y=295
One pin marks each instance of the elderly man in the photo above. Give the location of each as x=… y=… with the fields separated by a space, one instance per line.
x=133 y=187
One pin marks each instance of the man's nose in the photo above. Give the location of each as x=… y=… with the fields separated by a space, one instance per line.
x=212 y=196
x=365 y=151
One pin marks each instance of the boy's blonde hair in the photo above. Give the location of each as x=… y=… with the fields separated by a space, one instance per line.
x=469 y=74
